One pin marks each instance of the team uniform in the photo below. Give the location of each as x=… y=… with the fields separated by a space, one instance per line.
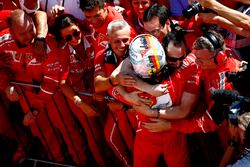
x=80 y=78
x=47 y=74
x=3 y=19
x=99 y=35
x=7 y=5
x=172 y=144
x=213 y=79
x=134 y=21
x=118 y=130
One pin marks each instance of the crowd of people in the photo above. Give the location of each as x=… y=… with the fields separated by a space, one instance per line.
x=122 y=83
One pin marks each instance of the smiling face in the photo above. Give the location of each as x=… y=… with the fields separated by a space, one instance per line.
x=96 y=16
x=72 y=35
x=119 y=41
x=140 y=6
x=205 y=58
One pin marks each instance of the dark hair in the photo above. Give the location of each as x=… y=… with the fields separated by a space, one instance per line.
x=156 y=10
x=205 y=42
x=172 y=37
x=87 y=5
x=61 y=22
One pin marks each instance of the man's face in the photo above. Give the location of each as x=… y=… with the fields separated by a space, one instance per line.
x=154 y=28
x=24 y=31
x=175 y=55
x=96 y=16
x=119 y=41
x=140 y=6
x=204 y=58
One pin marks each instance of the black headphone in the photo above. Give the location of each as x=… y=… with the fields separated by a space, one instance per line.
x=220 y=56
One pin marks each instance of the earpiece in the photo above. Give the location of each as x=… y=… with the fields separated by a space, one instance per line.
x=220 y=56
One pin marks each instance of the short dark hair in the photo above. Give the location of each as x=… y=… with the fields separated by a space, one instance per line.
x=172 y=37
x=204 y=43
x=156 y=10
x=61 y=22
x=87 y=5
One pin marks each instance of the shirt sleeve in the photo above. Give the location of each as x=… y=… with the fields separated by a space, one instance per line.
x=99 y=63
x=201 y=124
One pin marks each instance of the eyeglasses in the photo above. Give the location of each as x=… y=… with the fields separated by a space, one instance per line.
x=174 y=59
x=154 y=32
x=69 y=37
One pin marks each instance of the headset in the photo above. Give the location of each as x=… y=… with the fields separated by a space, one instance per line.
x=220 y=56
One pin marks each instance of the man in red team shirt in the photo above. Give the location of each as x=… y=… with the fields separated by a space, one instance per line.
x=16 y=46
x=180 y=73
x=157 y=22
x=99 y=15
x=215 y=60
x=119 y=36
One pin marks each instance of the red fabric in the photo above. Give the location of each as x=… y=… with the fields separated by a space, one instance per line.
x=100 y=34
x=212 y=79
x=99 y=63
x=190 y=37
x=132 y=19
x=3 y=19
x=119 y=123
x=80 y=78
x=26 y=67
x=53 y=110
x=8 y=5
x=148 y=146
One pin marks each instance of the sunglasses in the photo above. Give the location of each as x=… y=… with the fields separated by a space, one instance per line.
x=174 y=59
x=69 y=37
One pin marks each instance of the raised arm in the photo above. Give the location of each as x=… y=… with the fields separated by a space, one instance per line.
x=236 y=17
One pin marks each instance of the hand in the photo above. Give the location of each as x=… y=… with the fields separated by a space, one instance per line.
x=159 y=90
x=57 y=10
x=77 y=100
x=157 y=125
x=123 y=80
x=28 y=119
x=40 y=50
x=133 y=99
x=144 y=109
x=243 y=66
x=12 y=93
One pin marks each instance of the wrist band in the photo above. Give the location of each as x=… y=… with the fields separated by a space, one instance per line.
x=40 y=39
x=111 y=83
